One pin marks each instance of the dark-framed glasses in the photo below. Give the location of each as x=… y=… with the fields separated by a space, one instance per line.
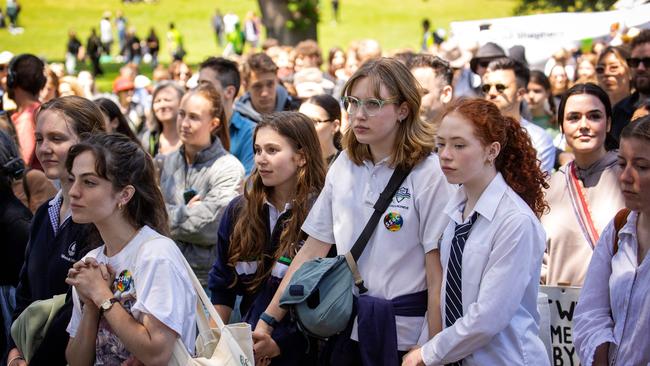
x=634 y=62
x=499 y=87
x=371 y=106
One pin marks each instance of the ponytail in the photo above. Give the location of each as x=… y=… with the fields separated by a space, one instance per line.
x=518 y=164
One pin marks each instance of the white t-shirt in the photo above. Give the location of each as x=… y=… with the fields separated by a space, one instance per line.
x=392 y=264
x=150 y=278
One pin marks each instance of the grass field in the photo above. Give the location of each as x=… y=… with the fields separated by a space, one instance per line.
x=396 y=24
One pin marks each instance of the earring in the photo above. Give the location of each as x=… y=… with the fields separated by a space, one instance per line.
x=120 y=206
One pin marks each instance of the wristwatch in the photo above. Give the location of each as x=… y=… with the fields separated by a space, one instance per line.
x=107 y=304
x=268 y=319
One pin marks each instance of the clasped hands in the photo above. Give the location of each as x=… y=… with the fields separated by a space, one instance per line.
x=92 y=280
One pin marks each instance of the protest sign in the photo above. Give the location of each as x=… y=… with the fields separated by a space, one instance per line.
x=562 y=303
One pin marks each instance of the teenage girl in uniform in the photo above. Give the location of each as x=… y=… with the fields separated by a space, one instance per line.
x=383 y=102
x=260 y=231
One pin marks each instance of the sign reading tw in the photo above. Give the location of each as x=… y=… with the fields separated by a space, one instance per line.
x=562 y=303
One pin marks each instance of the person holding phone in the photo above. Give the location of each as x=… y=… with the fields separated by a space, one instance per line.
x=201 y=178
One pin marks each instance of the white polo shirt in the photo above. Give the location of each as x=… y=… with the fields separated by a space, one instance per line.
x=392 y=263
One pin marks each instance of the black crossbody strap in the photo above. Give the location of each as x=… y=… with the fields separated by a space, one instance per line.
x=399 y=174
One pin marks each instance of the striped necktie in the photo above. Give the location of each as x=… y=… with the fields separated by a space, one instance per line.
x=454 y=289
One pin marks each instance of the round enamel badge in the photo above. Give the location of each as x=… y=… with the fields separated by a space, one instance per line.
x=393 y=221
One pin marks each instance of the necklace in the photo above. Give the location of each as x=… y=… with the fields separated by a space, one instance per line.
x=125 y=243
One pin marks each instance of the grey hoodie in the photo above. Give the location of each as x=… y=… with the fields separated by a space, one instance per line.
x=216 y=176
x=283 y=102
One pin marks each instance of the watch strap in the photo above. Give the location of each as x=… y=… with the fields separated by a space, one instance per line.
x=112 y=301
x=268 y=319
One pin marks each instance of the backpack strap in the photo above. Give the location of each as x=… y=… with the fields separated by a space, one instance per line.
x=384 y=200
x=619 y=221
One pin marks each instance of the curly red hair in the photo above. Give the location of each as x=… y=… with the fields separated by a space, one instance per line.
x=517 y=160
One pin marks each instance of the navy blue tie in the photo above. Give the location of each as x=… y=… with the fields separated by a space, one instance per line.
x=454 y=289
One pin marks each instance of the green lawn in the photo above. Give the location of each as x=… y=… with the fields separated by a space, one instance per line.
x=396 y=24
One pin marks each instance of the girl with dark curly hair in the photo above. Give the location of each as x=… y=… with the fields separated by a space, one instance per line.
x=491 y=250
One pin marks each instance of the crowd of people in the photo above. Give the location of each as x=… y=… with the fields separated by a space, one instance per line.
x=249 y=167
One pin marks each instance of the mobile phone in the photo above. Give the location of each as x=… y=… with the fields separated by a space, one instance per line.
x=189 y=194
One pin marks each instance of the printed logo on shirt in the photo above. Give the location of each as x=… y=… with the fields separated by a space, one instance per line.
x=72 y=250
x=123 y=283
x=393 y=221
x=402 y=194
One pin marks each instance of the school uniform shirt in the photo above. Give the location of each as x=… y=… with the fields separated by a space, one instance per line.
x=392 y=263
x=55 y=244
x=226 y=282
x=614 y=305
x=150 y=278
x=500 y=279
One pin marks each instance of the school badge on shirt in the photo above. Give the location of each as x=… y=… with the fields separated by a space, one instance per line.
x=393 y=221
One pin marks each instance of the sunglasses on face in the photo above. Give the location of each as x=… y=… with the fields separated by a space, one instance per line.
x=499 y=87
x=634 y=62
x=484 y=63
x=600 y=69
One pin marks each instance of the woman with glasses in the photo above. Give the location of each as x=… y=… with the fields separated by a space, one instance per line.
x=611 y=320
x=401 y=258
x=613 y=73
x=583 y=194
x=325 y=111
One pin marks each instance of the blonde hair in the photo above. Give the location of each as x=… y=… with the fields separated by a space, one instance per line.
x=415 y=138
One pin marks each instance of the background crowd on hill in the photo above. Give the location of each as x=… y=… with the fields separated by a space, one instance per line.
x=235 y=175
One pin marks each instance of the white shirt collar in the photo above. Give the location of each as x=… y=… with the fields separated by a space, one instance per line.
x=486 y=205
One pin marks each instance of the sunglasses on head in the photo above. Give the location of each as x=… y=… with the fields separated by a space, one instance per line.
x=634 y=62
x=499 y=87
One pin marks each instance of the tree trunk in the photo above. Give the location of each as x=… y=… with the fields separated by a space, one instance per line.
x=275 y=15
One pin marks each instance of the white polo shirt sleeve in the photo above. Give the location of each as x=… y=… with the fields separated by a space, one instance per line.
x=430 y=205
x=320 y=222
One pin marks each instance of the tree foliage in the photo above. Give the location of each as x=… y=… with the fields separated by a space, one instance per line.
x=539 y=6
x=290 y=21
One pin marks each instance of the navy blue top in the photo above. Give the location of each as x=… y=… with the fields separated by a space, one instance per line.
x=48 y=258
x=292 y=343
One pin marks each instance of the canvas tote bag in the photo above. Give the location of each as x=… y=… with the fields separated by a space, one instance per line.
x=226 y=345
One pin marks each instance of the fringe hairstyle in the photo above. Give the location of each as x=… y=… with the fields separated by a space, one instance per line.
x=247 y=239
x=517 y=160
x=415 y=138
